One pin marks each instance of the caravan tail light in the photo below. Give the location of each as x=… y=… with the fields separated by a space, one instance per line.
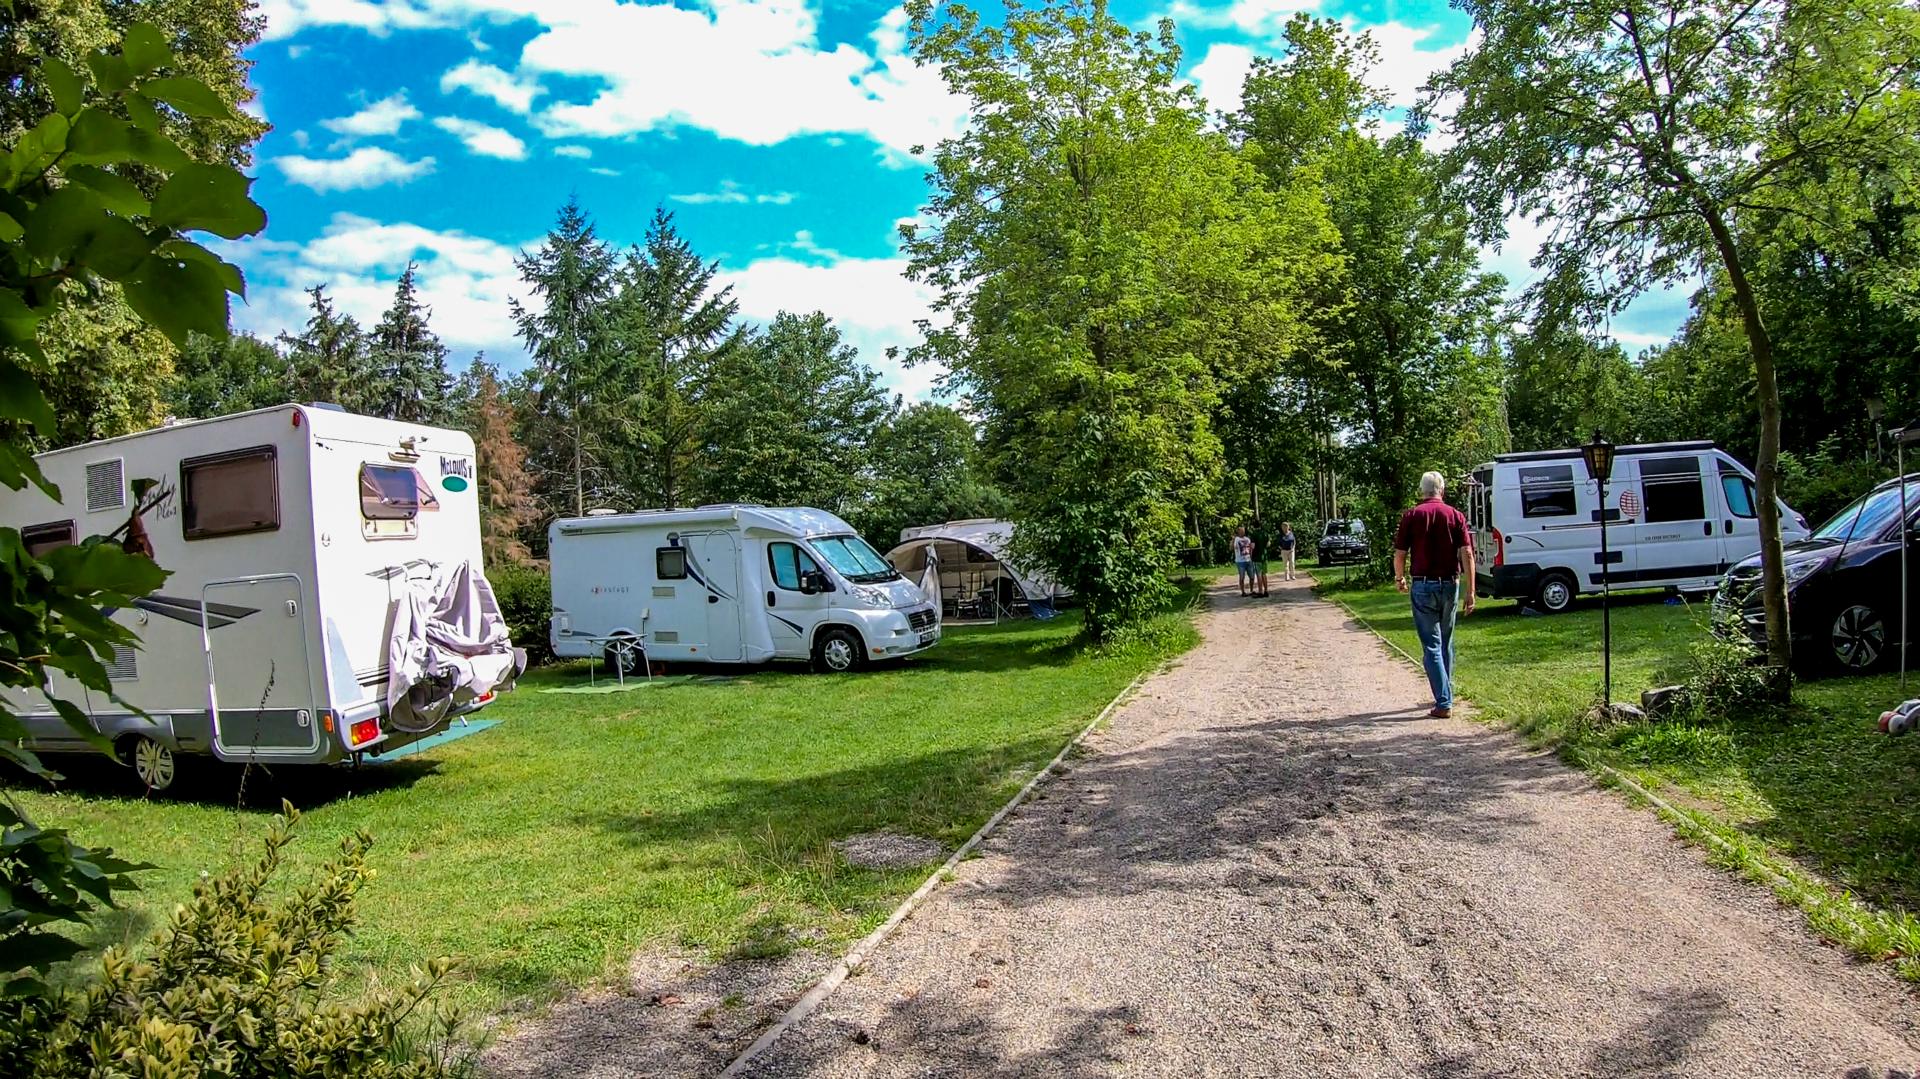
x=364 y=731
x=1499 y=548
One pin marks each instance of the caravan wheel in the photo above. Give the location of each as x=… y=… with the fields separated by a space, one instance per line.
x=1556 y=593
x=153 y=764
x=839 y=650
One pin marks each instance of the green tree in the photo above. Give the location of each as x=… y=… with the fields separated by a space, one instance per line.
x=926 y=467
x=330 y=359
x=409 y=363
x=1562 y=386
x=215 y=377
x=1648 y=133
x=105 y=370
x=789 y=418
x=573 y=275
x=671 y=327
x=1108 y=264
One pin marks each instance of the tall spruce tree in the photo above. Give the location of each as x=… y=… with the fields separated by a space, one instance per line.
x=671 y=326
x=409 y=362
x=329 y=360
x=573 y=276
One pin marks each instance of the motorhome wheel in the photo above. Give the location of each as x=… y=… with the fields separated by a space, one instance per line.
x=153 y=764
x=1858 y=637
x=624 y=655
x=839 y=650
x=1556 y=593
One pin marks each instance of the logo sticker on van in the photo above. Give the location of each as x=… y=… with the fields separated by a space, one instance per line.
x=455 y=473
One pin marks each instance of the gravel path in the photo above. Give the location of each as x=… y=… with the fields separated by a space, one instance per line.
x=1272 y=864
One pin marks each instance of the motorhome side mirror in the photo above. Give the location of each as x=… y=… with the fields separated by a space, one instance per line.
x=814 y=582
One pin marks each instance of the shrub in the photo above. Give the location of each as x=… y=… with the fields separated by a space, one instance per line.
x=526 y=599
x=236 y=985
x=1724 y=678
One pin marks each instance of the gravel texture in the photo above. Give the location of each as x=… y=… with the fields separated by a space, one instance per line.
x=889 y=850
x=1272 y=864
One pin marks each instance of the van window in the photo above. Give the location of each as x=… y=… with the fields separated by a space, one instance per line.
x=670 y=563
x=1671 y=487
x=789 y=562
x=1739 y=491
x=388 y=493
x=1547 y=491
x=226 y=494
x=39 y=539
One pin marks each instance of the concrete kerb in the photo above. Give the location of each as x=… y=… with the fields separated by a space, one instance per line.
x=818 y=993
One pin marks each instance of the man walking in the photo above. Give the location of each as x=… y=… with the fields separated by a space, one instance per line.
x=1287 y=546
x=1433 y=536
x=1243 y=558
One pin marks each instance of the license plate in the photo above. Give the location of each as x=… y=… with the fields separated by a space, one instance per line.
x=929 y=637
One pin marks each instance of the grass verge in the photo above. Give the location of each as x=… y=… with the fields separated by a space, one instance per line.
x=541 y=853
x=1814 y=802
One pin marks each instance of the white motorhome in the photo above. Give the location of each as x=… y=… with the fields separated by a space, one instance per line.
x=294 y=536
x=1679 y=515
x=730 y=584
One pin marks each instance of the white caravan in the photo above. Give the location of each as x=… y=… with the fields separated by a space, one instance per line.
x=296 y=537
x=730 y=584
x=1679 y=515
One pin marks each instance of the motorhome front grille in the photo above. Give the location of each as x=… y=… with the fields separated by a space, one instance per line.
x=666 y=636
x=124 y=668
x=106 y=485
x=920 y=619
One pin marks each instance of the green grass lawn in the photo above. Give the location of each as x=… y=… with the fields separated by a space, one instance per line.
x=542 y=852
x=1819 y=784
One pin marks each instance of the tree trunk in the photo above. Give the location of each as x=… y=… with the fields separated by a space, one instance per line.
x=1773 y=579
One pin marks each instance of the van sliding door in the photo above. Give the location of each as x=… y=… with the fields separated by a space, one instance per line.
x=1678 y=537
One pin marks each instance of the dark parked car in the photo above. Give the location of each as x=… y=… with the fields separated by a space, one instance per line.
x=1843 y=584
x=1344 y=541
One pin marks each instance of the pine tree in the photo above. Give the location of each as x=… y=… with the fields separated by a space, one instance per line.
x=573 y=275
x=329 y=359
x=409 y=362
x=507 y=503
x=671 y=326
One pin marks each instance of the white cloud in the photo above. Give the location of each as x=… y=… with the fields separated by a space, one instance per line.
x=1406 y=59
x=483 y=139
x=1221 y=75
x=1254 y=18
x=366 y=167
x=511 y=92
x=753 y=71
x=601 y=170
x=467 y=281
x=581 y=153
x=870 y=299
x=730 y=193
x=383 y=117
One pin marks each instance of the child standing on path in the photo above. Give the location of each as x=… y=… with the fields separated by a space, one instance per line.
x=1287 y=545
x=1262 y=549
x=1243 y=558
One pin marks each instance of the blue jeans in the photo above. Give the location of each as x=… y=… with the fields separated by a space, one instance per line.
x=1434 y=603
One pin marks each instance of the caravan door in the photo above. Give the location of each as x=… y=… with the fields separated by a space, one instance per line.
x=1678 y=538
x=717 y=558
x=258 y=689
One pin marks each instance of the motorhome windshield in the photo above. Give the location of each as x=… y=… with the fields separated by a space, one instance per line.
x=856 y=561
x=1868 y=515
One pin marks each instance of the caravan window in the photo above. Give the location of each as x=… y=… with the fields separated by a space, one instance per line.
x=1671 y=487
x=227 y=494
x=670 y=563
x=39 y=539
x=388 y=493
x=1547 y=491
x=788 y=562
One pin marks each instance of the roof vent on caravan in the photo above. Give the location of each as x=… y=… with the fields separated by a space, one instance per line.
x=106 y=485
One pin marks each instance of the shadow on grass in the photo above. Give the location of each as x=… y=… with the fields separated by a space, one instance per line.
x=205 y=781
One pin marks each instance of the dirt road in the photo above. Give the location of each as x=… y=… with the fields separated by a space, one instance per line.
x=1272 y=864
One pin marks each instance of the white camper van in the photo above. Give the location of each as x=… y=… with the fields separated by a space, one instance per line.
x=301 y=541
x=730 y=584
x=1679 y=515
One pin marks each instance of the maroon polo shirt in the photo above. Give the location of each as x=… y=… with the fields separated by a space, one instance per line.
x=1432 y=533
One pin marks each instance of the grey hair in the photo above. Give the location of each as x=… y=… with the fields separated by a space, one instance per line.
x=1432 y=484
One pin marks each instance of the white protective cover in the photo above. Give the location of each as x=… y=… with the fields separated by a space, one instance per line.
x=449 y=645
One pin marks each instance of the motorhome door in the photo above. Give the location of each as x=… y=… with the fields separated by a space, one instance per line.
x=255 y=631
x=717 y=558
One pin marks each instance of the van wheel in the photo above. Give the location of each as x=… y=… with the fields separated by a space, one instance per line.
x=624 y=655
x=154 y=764
x=839 y=650
x=1555 y=593
x=1857 y=638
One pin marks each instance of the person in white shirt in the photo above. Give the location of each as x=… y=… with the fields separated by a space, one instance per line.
x=1243 y=559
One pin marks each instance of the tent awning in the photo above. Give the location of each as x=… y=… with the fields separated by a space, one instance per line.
x=989 y=538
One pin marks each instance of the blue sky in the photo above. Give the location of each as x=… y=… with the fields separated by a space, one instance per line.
x=779 y=132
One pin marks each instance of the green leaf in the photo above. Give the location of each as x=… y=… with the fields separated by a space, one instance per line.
x=38 y=147
x=69 y=93
x=110 y=73
x=145 y=49
x=179 y=296
x=189 y=95
x=116 y=192
x=209 y=197
x=10 y=230
x=141 y=111
x=116 y=248
x=230 y=275
x=18 y=322
x=62 y=223
x=100 y=138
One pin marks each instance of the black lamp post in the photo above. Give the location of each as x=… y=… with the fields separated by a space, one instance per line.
x=1598 y=455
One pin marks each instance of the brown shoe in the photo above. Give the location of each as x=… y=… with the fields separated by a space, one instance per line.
x=1440 y=713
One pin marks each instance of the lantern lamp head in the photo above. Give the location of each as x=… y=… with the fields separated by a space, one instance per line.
x=1598 y=455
